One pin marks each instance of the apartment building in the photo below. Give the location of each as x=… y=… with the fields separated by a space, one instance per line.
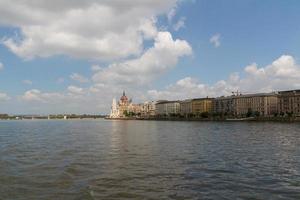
x=289 y=102
x=167 y=108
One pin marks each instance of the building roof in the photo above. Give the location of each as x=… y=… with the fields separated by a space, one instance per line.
x=290 y=92
x=199 y=99
x=165 y=102
x=248 y=95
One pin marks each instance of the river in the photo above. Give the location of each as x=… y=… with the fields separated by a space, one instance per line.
x=103 y=159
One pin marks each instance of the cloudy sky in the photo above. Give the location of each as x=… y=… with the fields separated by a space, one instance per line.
x=64 y=56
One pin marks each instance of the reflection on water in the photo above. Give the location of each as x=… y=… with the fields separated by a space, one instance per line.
x=98 y=159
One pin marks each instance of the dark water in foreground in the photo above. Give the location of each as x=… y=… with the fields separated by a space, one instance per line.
x=100 y=159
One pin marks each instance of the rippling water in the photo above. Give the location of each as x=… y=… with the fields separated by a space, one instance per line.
x=98 y=159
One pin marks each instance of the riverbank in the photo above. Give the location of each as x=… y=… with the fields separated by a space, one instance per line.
x=254 y=119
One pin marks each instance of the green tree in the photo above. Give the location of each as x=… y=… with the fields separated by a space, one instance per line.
x=257 y=114
x=126 y=113
x=249 y=113
x=204 y=115
x=290 y=114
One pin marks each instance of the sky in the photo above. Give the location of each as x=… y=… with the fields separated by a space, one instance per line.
x=65 y=56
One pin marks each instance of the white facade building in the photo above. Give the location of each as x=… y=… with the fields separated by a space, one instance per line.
x=167 y=108
x=114 y=113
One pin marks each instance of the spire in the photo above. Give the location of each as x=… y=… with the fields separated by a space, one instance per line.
x=123 y=93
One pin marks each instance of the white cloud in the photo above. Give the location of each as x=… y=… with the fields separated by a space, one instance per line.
x=215 y=40
x=1 y=66
x=105 y=30
x=161 y=57
x=180 y=24
x=171 y=14
x=79 y=78
x=95 y=68
x=75 y=90
x=4 y=97
x=94 y=99
x=32 y=95
x=27 y=82
x=35 y=95
x=282 y=74
x=189 y=87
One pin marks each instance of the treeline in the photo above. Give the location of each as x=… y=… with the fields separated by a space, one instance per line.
x=59 y=116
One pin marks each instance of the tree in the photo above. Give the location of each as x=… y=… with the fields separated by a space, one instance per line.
x=257 y=114
x=290 y=114
x=126 y=113
x=249 y=113
x=281 y=114
x=205 y=115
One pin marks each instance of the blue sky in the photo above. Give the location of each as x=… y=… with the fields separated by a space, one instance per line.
x=45 y=72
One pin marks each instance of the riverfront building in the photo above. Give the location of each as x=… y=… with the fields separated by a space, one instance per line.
x=121 y=108
x=223 y=106
x=289 y=102
x=114 y=112
x=283 y=103
x=263 y=104
x=135 y=109
x=148 y=109
x=167 y=108
x=202 y=105
x=186 y=108
x=195 y=107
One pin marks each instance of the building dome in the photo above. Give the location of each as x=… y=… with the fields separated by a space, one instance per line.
x=124 y=97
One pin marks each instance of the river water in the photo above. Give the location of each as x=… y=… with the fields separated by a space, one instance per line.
x=99 y=159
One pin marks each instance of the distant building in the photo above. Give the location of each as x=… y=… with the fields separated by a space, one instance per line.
x=186 y=107
x=124 y=108
x=135 y=109
x=289 y=102
x=196 y=106
x=237 y=105
x=114 y=113
x=148 y=109
x=202 y=105
x=123 y=105
x=223 y=105
x=167 y=108
x=119 y=110
x=263 y=104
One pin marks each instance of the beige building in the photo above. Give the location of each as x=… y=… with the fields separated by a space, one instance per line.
x=202 y=105
x=148 y=109
x=123 y=108
x=186 y=107
x=123 y=105
x=196 y=106
x=264 y=104
x=167 y=108
x=135 y=109
x=289 y=102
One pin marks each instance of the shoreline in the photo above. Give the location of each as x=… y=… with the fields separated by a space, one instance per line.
x=213 y=120
x=260 y=119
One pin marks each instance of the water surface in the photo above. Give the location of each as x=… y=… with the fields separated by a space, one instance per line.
x=99 y=159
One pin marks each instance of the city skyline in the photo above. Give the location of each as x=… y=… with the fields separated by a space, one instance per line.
x=72 y=57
